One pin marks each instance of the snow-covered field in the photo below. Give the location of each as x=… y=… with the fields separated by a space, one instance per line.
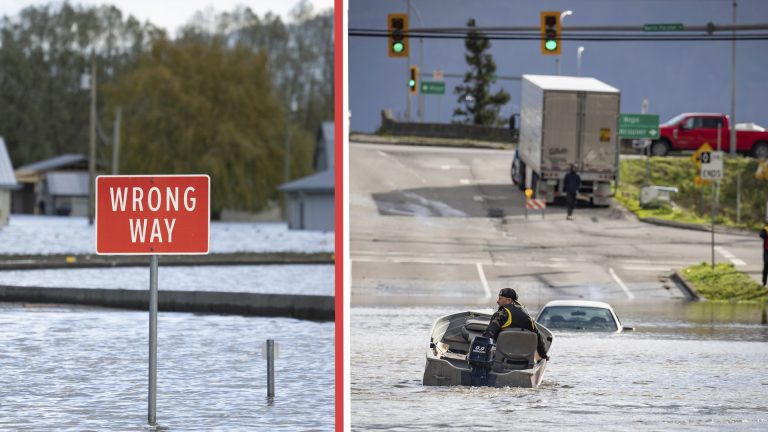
x=48 y=235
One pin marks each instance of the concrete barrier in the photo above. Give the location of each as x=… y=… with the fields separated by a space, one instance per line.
x=28 y=262
x=309 y=307
x=390 y=126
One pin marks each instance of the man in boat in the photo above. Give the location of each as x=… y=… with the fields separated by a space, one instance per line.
x=512 y=314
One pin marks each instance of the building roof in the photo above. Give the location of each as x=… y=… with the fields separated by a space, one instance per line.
x=322 y=181
x=67 y=183
x=7 y=177
x=53 y=163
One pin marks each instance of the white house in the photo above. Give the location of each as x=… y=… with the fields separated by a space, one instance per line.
x=7 y=184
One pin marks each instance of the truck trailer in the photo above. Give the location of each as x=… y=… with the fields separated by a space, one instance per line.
x=567 y=121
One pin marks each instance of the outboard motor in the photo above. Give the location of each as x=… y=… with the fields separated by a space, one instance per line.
x=480 y=359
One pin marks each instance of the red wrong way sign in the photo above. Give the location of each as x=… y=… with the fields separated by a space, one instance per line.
x=153 y=214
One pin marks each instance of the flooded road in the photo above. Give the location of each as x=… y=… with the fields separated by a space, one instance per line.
x=688 y=366
x=85 y=369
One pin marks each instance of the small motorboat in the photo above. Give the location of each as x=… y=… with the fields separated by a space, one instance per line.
x=458 y=354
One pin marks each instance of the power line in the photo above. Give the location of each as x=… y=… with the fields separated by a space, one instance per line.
x=596 y=37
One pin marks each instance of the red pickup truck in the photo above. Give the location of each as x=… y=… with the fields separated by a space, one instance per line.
x=688 y=131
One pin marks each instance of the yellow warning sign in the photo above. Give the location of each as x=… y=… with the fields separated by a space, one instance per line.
x=605 y=135
x=698 y=181
x=696 y=156
x=762 y=170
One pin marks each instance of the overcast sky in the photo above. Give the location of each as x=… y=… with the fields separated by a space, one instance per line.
x=674 y=76
x=171 y=14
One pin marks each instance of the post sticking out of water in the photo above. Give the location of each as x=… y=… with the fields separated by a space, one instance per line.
x=270 y=368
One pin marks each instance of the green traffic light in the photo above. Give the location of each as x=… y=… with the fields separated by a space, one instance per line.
x=550 y=45
x=398 y=47
x=411 y=83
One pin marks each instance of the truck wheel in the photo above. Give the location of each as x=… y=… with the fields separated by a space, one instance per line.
x=760 y=150
x=660 y=148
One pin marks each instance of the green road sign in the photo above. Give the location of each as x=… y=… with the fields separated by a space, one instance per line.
x=662 y=27
x=433 y=87
x=639 y=126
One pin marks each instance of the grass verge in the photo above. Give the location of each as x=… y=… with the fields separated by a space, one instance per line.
x=724 y=283
x=693 y=203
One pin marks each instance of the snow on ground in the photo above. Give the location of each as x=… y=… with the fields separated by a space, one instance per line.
x=263 y=279
x=48 y=235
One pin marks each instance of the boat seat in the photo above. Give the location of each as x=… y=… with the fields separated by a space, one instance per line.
x=474 y=327
x=515 y=349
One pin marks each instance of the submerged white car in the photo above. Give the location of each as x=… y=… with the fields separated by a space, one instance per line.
x=580 y=315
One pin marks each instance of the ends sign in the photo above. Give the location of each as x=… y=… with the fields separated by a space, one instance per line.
x=153 y=214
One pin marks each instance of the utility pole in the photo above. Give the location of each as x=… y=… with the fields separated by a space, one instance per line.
x=733 y=84
x=92 y=157
x=116 y=142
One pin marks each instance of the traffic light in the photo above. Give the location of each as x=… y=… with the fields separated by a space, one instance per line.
x=398 y=41
x=550 y=33
x=413 y=81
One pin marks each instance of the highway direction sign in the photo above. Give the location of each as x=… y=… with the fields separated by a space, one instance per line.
x=711 y=165
x=639 y=126
x=663 y=27
x=153 y=214
x=433 y=87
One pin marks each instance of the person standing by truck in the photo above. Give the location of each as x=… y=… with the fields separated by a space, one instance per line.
x=571 y=184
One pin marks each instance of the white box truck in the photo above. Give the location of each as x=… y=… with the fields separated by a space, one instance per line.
x=567 y=121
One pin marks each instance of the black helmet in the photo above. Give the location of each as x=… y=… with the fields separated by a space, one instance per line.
x=509 y=293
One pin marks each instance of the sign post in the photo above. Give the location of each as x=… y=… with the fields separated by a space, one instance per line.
x=712 y=169
x=153 y=215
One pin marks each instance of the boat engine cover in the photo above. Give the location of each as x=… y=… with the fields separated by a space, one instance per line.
x=481 y=351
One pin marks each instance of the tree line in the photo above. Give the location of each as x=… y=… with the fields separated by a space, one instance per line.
x=215 y=99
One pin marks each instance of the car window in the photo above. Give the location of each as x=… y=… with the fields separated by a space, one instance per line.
x=710 y=122
x=577 y=318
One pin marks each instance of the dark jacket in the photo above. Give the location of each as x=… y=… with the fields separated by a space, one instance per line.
x=764 y=236
x=572 y=183
x=520 y=319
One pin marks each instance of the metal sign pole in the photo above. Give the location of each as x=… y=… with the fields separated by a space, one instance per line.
x=713 y=226
x=152 y=416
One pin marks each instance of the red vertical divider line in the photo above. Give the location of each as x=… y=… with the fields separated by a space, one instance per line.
x=338 y=142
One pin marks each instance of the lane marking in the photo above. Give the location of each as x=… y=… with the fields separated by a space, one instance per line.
x=729 y=256
x=477 y=198
x=445 y=167
x=621 y=284
x=484 y=281
x=465 y=181
x=647 y=268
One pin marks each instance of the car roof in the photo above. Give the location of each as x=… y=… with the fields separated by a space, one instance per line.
x=578 y=303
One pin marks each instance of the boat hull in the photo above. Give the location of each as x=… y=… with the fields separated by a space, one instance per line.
x=447 y=364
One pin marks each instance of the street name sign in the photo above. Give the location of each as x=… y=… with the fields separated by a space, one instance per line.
x=711 y=165
x=153 y=214
x=433 y=87
x=639 y=126
x=663 y=27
